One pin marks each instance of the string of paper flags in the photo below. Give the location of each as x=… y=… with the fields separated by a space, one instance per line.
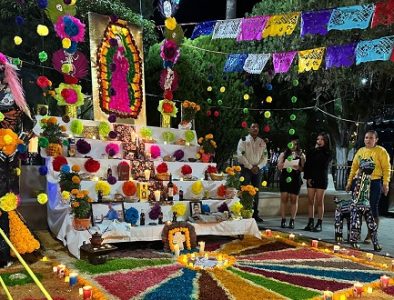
x=312 y=22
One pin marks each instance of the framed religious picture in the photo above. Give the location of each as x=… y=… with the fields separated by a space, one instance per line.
x=109 y=211
x=195 y=208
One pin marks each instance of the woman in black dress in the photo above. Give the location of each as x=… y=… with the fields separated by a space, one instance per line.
x=316 y=174
x=290 y=163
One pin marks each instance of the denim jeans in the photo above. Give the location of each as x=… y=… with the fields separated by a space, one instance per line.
x=374 y=196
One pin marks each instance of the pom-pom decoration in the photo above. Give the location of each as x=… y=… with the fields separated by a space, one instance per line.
x=186 y=170
x=179 y=209
x=42 y=4
x=246 y=97
x=112 y=118
x=65 y=169
x=236 y=208
x=104 y=187
x=131 y=216
x=9 y=141
x=162 y=168
x=266 y=128
x=155 y=212
x=267 y=114
x=189 y=136
x=111 y=180
x=170 y=23
x=293 y=117
x=268 y=99
x=22 y=148
x=42 y=198
x=112 y=135
x=43 y=82
x=205 y=209
x=57 y=162
x=221 y=191
x=92 y=165
x=42 y=30
x=76 y=127
x=129 y=188
x=222 y=89
x=43 y=170
x=197 y=187
x=244 y=124
x=19 y=20
x=70 y=27
x=146 y=133
x=42 y=56
x=69 y=94
x=66 y=43
x=167 y=107
x=1 y=117
x=17 y=40
x=112 y=149
x=9 y=202
x=294 y=99
x=179 y=154
x=155 y=151
x=169 y=51
x=168 y=136
x=83 y=146
x=223 y=207
x=104 y=128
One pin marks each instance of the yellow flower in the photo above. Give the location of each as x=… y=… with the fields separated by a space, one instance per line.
x=9 y=202
x=76 y=168
x=66 y=195
x=42 y=198
x=237 y=168
x=170 y=23
x=74 y=191
x=17 y=171
x=104 y=187
x=75 y=179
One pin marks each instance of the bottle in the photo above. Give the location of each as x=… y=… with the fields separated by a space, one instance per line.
x=142 y=218
x=109 y=172
x=170 y=190
x=174 y=216
x=180 y=195
x=99 y=196
x=206 y=175
x=161 y=218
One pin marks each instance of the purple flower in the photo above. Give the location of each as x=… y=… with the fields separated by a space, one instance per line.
x=43 y=3
x=111 y=180
x=83 y=146
x=179 y=154
x=222 y=208
x=112 y=135
x=112 y=118
x=43 y=170
x=155 y=212
x=19 y=20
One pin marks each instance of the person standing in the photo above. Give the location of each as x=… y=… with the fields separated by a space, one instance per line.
x=252 y=156
x=380 y=177
x=290 y=164
x=316 y=175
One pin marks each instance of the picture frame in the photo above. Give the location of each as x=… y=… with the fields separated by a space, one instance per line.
x=195 y=208
x=107 y=211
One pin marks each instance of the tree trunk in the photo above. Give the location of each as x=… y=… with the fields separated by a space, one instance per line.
x=231 y=9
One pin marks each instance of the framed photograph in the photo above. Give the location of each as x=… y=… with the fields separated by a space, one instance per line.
x=107 y=211
x=195 y=208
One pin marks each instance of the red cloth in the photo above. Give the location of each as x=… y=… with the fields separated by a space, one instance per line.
x=384 y=13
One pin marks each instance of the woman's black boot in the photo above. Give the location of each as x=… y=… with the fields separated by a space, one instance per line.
x=283 y=223
x=310 y=225
x=318 y=226
x=291 y=224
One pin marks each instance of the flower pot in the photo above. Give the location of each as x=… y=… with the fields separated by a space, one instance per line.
x=205 y=157
x=231 y=193
x=81 y=224
x=247 y=213
x=54 y=150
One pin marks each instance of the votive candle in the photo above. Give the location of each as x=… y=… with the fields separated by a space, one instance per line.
x=384 y=281
x=157 y=195
x=202 y=246
x=369 y=290
x=337 y=248
x=176 y=250
x=327 y=295
x=292 y=236
x=67 y=279
x=358 y=289
x=73 y=278
x=87 y=292
x=268 y=233
x=369 y=256
x=147 y=174
x=315 y=243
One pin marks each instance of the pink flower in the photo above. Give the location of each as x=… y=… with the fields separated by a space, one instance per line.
x=169 y=51
x=70 y=96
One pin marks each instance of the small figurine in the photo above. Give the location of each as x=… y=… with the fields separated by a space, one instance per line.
x=142 y=218
x=161 y=218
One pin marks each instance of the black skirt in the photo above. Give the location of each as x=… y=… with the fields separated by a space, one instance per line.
x=292 y=186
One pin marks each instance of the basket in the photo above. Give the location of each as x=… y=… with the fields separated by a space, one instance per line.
x=216 y=176
x=163 y=176
x=54 y=150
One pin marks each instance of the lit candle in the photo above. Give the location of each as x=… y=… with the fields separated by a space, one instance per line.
x=187 y=144
x=176 y=250
x=95 y=178
x=157 y=195
x=44 y=258
x=342 y=297
x=54 y=269
x=206 y=256
x=202 y=246
x=369 y=256
x=80 y=291
x=327 y=295
x=184 y=259
x=303 y=244
x=384 y=281
x=193 y=256
x=190 y=265
x=181 y=179
x=358 y=289
x=369 y=290
x=147 y=174
x=315 y=243
x=220 y=257
x=268 y=233
x=292 y=236
x=67 y=279
x=87 y=292
x=337 y=248
x=73 y=278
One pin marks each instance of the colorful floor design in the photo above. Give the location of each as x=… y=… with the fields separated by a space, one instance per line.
x=265 y=269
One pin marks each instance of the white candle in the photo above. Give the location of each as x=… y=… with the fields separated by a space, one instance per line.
x=384 y=281
x=336 y=248
x=291 y=236
x=193 y=256
x=369 y=290
x=54 y=269
x=220 y=257
x=327 y=295
x=268 y=232
x=80 y=291
x=147 y=174
x=157 y=195
x=181 y=179
x=315 y=243
x=369 y=256
x=202 y=246
x=177 y=251
x=206 y=256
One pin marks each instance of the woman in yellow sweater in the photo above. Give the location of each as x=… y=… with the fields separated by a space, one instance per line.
x=381 y=175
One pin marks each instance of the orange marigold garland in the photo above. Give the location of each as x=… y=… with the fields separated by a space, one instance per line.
x=20 y=235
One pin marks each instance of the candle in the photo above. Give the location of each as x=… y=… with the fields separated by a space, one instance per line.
x=202 y=246
x=193 y=256
x=87 y=292
x=327 y=295
x=80 y=291
x=61 y=270
x=147 y=174
x=369 y=290
x=187 y=144
x=67 y=279
x=184 y=259
x=369 y=256
x=157 y=195
x=220 y=257
x=342 y=297
x=384 y=281
x=54 y=269
x=44 y=258
x=291 y=236
x=336 y=248
x=268 y=233
x=358 y=289
x=392 y=265
x=176 y=250
x=206 y=256
x=181 y=179
x=315 y=243
x=190 y=265
x=73 y=278
x=303 y=244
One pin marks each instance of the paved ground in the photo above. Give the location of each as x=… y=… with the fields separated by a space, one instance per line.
x=385 y=233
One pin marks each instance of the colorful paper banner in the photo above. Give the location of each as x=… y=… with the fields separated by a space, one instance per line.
x=311 y=59
x=281 y=24
x=384 y=13
x=282 y=61
x=204 y=28
x=379 y=49
x=351 y=17
x=227 y=29
x=340 y=56
x=315 y=22
x=251 y=28
x=255 y=63
x=235 y=62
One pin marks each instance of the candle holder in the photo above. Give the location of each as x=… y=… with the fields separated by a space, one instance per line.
x=87 y=292
x=384 y=281
x=315 y=243
x=358 y=289
x=369 y=256
x=268 y=233
x=328 y=295
x=73 y=279
x=202 y=247
x=207 y=260
x=291 y=236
